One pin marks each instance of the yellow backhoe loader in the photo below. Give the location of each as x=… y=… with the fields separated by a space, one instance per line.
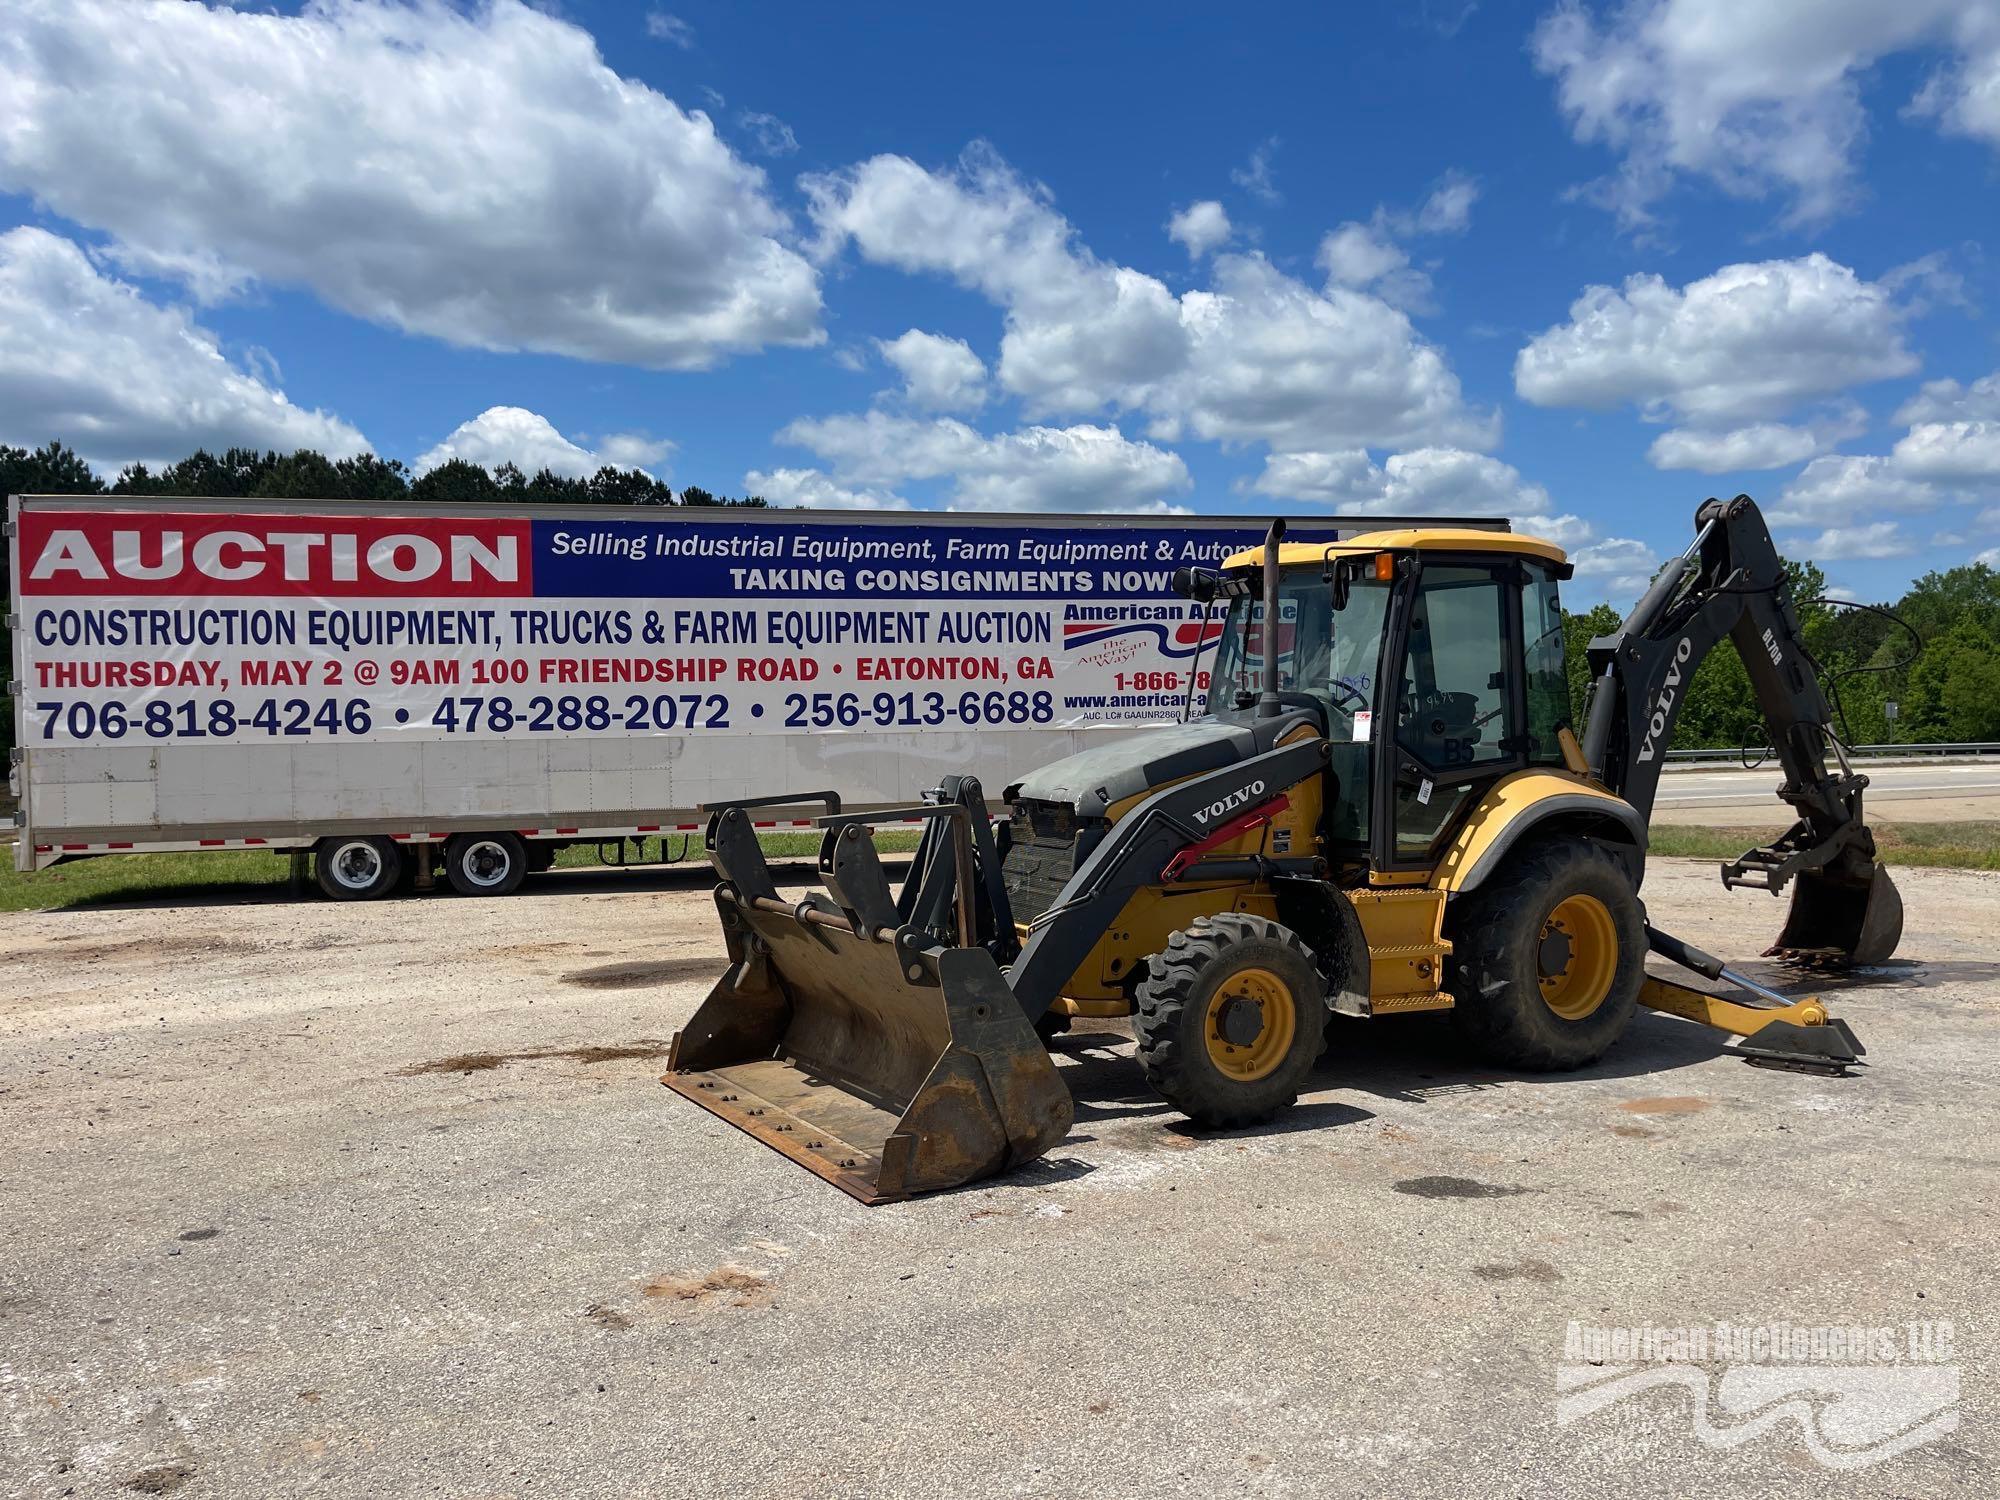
x=1383 y=808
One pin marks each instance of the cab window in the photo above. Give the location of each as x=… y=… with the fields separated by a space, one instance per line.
x=1455 y=705
x=1333 y=655
x=1542 y=657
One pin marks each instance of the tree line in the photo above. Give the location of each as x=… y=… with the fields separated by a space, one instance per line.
x=1944 y=684
x=248 y=474
x=1936 y=682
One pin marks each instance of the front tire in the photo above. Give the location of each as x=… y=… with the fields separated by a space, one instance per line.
x=1231 y=1019
x=1549 y=958
x=353 y=867
x=485 y=864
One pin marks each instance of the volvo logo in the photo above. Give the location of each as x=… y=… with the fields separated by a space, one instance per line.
x=1229 y=804
x=1663 y=708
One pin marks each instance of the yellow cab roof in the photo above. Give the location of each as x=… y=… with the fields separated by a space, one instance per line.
x=1418 y=538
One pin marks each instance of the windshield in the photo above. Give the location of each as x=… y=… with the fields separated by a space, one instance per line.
x=1334 y=658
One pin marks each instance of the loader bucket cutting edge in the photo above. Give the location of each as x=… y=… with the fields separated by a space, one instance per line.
x=1839 y=919
x=886 y=1067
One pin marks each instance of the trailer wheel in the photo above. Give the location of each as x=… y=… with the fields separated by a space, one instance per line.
x=1231 y=1019
x=356 y=868
x=485 y=864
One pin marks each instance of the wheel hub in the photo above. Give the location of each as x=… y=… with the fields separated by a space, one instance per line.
x=1553 y=956
x=357 y=865
x=1576 y=956
x=1252 y=1018
x=485 y=862
x=1240 y=1021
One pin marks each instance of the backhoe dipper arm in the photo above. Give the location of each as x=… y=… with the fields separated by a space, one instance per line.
x=1730 y=582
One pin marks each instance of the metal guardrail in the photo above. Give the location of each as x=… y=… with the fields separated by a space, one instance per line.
x=1858 y=752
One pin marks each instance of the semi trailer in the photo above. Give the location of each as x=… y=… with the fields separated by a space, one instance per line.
x=458 y=690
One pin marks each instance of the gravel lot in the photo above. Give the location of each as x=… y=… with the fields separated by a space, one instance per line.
x=304 y=1199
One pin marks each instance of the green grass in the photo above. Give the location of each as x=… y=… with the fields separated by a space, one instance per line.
x=190 y=877
x=229 y=873
x=1947 y=846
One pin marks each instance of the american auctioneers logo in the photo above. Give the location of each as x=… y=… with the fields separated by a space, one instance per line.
x=1857 y=1395
x=1179 y=638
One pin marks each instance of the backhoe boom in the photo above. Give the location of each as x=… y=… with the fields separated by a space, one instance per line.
x=1731 y=582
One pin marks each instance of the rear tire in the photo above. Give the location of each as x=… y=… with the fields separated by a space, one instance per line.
x=1231 y=1019
x=485 y=864
x=1549 y=958
x=354 y=867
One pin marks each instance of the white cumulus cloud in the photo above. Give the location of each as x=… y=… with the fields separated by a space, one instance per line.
x=1762 y=445
x=529 y=441
x=1423 y=481
x=1201 y=227
x=1951 y=452
x=1954 y=435
x=477 y=175
x=1453 y=482
x=1840 y=486
x=88 y=361
x=1758 y=97
x=939 y=373
x=1372 y=254
x=816 y=491
x=1749 y=341
x=1257 y=356
x=1840 y=543
x=1080 y=468
x=1948 y=401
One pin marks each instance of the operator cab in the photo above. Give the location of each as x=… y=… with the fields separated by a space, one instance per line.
x=1451 y=637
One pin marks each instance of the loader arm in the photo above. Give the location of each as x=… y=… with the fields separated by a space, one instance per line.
x=1731 y=582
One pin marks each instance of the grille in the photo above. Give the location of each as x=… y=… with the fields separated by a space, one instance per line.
x=1042 y=857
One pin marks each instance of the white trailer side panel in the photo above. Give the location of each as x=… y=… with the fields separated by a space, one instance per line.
x=138 y=729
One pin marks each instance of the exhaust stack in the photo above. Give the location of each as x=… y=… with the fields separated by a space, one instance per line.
x=1268 y=704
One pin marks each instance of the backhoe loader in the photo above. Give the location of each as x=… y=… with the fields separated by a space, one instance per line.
x=1383 y=807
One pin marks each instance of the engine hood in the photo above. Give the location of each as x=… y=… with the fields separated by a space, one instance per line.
x=1095 y=780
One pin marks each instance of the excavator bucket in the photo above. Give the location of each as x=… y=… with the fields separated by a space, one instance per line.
x=858 y=1043
x=1841 y=917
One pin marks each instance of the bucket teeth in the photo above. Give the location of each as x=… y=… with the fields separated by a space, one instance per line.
x=1838 y=919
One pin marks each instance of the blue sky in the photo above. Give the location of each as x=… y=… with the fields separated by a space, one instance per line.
x=1311 y=259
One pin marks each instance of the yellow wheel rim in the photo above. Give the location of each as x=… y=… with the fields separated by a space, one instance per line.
x=1577 y=957
x=1250 y=1024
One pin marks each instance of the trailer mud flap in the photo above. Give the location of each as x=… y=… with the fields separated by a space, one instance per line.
x=1837 y=918
x=880 y=1059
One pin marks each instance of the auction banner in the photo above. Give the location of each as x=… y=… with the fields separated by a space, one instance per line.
x=259 y=626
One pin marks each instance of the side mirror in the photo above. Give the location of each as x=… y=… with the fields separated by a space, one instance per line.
x=1198 y=584
x=1340 y=573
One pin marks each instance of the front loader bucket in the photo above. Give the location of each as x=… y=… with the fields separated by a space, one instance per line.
x=864 y=1049
x=1843 y=919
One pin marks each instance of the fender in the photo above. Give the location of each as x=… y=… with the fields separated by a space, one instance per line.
x=1515 y=807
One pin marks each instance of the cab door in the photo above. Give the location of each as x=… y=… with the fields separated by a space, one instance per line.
x=1456 y=700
